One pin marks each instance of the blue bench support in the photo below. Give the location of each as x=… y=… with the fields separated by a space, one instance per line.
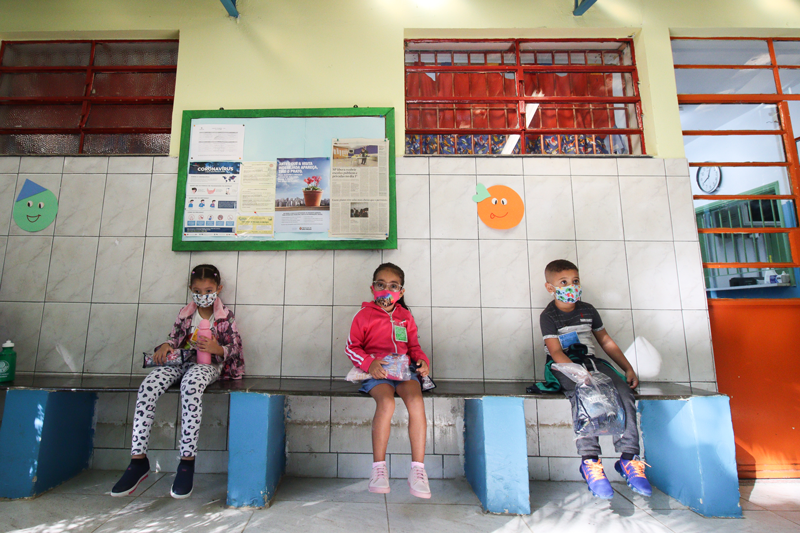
x=689 y=444
x=496 y=453
x=46 y=438
x=256 y=448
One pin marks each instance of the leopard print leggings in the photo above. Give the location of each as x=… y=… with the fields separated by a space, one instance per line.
x=195 y=380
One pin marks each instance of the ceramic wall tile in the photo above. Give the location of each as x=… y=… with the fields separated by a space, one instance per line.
x=555 y=428
x=598 y=212
x=398 y=437
x=564 y=468
x=351 y=425
x=540 y=253
x=165 y=165
x=80 y=204
x=153 y=324
x=112 y=414
x=342 y=320
x=539 y=357
x=25 y=269
x=355 y=465
x=504 y=274
x=453 y=467
x=457 y=342
x=452 y=165
x=21 y=323
x=307 y=341
x=593 y=166
x=453 y=213
x=413 y=206
x=507 y=344
x=8 y=190
x=455 y=274
x=164 y=273
x=499 y=165
x=109 y=345
x=676 y=167
x=681 y=206
x=3 y=244
x=619 y=325
x=261 y=277
x=41 y=165
x=261 y=329
x=690 y=275
x=653 y=275
x=604 y=274
x=311 y=464
x=63 y=338
x=401 y=466
x=130 y=165
x=71 y=273
x=51 y=182
x=352 y=275
x=414 y=257
x=645 y=208
x=640 y=166
x=516 y=183
x=664 y=330
x=214 y=426
x=531 y=426
x=448 y=426
x=85 y=165
x=698 y=343
x=9 y=164
x=161 y=209
x=546 y=166
x=411 y=165
x=422 y=317
x=308 y=424
x=309 y=277
x=125 y=205
x=117 y=276
x=548 y=208
x=538 y=468
x=228 y=264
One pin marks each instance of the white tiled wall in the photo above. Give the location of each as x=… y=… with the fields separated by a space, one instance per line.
x=101 y=284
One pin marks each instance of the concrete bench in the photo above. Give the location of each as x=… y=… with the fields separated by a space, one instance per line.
x=47 y=434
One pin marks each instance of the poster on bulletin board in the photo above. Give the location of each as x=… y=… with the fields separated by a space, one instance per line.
x=286 y=179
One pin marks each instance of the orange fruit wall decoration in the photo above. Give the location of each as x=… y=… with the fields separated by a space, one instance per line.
x=499 y=207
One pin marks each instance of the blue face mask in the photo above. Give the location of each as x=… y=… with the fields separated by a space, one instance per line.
x=204 y=300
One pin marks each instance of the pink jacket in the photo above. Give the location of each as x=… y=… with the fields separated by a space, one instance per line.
x=372 y=335
x=224 y=330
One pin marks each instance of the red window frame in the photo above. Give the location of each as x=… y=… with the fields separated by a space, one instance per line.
x=87 y=99
x=780 y=99
x=518 y=102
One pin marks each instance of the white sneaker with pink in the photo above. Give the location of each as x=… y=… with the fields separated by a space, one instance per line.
x=418 y=481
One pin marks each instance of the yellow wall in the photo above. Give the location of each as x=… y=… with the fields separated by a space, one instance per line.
x=339 y=53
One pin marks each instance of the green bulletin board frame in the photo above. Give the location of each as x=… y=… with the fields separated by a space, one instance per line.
x=178 y=244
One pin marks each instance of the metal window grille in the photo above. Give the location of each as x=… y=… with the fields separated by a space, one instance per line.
x=86 y=97
x=522 y=96
x=752 y=229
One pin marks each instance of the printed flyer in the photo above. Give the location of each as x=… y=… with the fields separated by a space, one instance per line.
x=212 y=198
x=303 y=195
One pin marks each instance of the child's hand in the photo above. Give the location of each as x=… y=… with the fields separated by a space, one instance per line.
x=160 y=357
x=422 y=368
x=210 y=345
x=630 y=377
x=376 y=369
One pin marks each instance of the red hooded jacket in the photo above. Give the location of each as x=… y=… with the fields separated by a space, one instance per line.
x=372 y=335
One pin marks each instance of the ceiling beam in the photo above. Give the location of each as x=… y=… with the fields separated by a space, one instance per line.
x=582 y=7
x=230 y=7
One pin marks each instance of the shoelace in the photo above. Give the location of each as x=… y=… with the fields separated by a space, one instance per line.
x=379 y=472
x=638 y=466
x=595 y=470
x=420 y=474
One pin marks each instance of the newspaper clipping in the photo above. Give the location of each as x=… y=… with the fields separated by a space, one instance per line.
x=359 y=205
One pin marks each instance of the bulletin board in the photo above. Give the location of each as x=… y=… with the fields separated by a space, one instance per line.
x=307 y=142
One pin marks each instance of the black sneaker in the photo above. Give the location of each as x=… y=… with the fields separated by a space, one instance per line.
x=184 y=479
x=136 y=473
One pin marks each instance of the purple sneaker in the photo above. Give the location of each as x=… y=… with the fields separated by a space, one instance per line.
x=595 y=476
x=633 y=472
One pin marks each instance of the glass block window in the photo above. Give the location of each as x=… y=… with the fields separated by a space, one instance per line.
x=546 y=97
x=738 y=101
x=86 y=97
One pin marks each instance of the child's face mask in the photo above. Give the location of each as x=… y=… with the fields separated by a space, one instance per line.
x=385 y=298
x=569 y=294
x=204 y=300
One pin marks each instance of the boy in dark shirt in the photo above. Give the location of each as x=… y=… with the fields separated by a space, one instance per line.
x=567 y=321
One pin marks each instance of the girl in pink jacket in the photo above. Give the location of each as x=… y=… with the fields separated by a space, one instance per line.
x=382 y=327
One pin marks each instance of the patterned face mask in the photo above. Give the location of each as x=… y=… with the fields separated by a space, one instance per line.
x=204 y=300
x=569 y=294
x=385 y=298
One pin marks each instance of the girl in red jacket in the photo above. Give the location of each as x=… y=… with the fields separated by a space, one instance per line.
x=385 y=326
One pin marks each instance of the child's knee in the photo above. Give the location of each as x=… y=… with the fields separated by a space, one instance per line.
x=385 y=406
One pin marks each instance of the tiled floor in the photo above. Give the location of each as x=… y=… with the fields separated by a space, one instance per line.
x=332 y=505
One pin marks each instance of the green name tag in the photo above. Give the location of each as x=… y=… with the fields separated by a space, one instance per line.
x=400 y=334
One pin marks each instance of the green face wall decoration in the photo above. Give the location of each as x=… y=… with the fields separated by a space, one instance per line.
x=35 y=208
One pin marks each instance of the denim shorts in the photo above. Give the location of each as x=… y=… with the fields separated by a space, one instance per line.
x=370 y=384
